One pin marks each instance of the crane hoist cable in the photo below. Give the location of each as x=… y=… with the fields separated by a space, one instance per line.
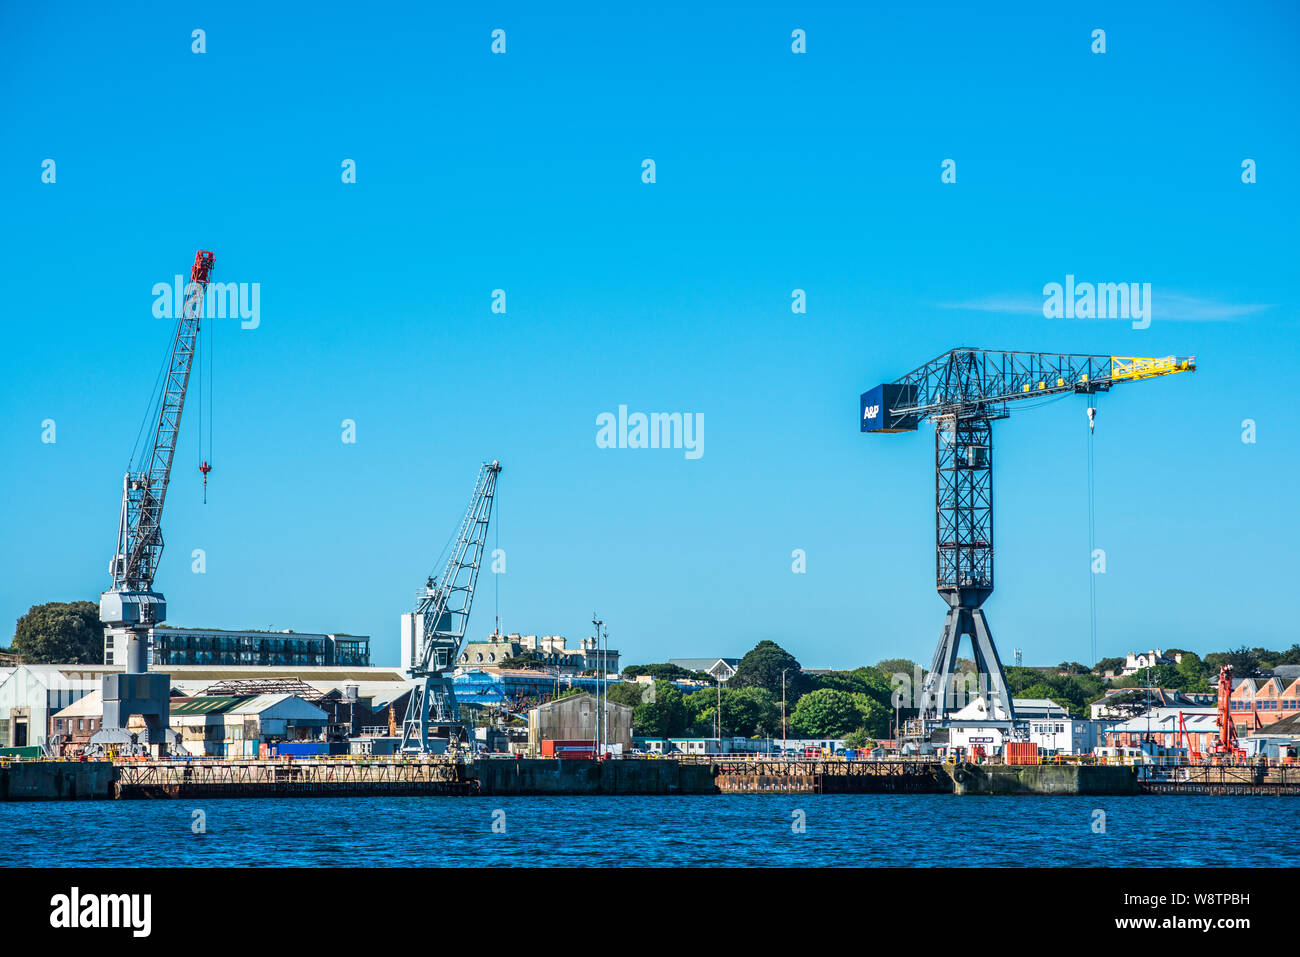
x=1092 y=527
x=496 y=576
x=204 y=461
x=136 y=460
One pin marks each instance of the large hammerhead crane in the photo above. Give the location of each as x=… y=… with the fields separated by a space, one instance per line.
x=441 y=616
x=131 y=607
x=963 y=391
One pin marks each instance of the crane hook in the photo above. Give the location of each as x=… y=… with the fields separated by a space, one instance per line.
x=1092 y=418
x=205 y=468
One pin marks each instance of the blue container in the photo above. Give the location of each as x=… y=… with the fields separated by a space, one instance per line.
x=301 y=749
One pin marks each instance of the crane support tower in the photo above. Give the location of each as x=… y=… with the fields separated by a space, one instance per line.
x=963 y=391
x=441 y=616
x=131 y=608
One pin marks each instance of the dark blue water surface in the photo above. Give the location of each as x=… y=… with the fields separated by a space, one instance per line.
x=728 y=830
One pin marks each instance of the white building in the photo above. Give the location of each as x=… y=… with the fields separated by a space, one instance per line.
x=31 y=694
x=1050 y=726
x=720 y=668
x=1139 y=661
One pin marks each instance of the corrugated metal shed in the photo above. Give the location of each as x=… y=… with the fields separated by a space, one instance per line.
x=208 y=704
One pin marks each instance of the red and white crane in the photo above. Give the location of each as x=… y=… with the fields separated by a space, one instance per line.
x=131 y=608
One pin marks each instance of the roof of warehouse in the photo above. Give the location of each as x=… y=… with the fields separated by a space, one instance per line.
x=208 y=704
x=218 y=672
x=236 y=704
x=1289 y=725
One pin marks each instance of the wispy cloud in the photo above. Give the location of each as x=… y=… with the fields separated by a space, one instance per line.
x=1193 y=309
x=1169 y=306
x=1021 y=305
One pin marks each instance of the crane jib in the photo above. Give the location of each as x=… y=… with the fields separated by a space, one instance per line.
x=969 y=381
x=140 y=539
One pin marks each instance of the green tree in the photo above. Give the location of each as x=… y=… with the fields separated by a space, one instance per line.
x=700 y=711
x=762 y=667
x=1054 y=694
x=747 y=712
x=867 y=681
x=60 y=632
x=897 y=666
x=660 y=672
x=873 y=715
x=630 y=693
x=1243 y=661
x=1108 y=664
x=858 y=739
x=663 y=717
x=1193 y=672
x=826 y=713
x=1159 y=676
x=1290 y=657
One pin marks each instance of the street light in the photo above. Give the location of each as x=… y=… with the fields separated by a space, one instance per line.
x=784 y=742
x=596 y=622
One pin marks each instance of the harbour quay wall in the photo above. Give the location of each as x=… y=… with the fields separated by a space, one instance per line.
x=1060 y=779
x=795 y=776
x=578 y=776
x=57 y=780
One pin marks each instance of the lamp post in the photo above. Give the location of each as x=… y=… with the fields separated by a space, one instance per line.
x=783 y=736
x=717 y=680
x=597 y=623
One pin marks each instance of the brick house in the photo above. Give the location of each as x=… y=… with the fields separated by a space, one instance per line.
x=1258 y=702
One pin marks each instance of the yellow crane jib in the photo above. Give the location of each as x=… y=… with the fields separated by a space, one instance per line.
x=1125 y=368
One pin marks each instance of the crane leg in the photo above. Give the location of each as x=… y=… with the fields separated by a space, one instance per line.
x=945 y=689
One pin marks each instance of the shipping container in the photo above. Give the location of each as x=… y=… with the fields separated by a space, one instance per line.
x=1020 y=752
x=301 y=749
x=551 y=747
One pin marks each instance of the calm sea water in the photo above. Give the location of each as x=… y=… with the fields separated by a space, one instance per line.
x=729 y=830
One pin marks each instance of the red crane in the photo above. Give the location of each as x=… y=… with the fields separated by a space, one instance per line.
x=1225 y=745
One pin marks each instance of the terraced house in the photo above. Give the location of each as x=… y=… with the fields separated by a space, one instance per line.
x=1258 y=702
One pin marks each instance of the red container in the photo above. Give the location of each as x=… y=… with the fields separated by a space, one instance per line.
x=1020 y=752
x=568 y=749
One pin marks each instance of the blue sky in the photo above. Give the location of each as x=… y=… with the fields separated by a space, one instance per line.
x=775 y=171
